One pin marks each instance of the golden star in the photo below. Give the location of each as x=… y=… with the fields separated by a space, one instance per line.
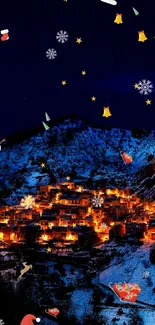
x=93 y=99
x=136 y=86
x=63 y=82
x=83 y=73
x=68 y=178
x=48 y=249
x=65 y=0
x=148 y=102
x=78 y=40
x=42 y=165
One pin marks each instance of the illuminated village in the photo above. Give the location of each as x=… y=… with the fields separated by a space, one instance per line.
x=69 y=214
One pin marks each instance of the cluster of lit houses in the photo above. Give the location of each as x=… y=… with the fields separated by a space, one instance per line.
x=67 y=210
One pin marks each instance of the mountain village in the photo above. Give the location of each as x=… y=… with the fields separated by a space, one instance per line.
x=68 y=215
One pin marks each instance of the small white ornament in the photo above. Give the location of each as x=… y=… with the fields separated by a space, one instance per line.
x=145 y=87
x=146 y=274
x=51 y=54
x=62 y=36
x=97 y=201
x=38 y=320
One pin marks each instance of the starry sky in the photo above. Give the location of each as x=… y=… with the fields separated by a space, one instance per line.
x=111 y=55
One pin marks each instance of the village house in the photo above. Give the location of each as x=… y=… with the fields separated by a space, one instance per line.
x=61 y=212
x=44 y=190
x=66 y=185
x=73 y=199
x=117 y=231
x=151 y=228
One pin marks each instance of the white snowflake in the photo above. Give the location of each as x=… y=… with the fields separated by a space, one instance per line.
x=62 y=36
x=146 y=274
x=97 y=201
x=1 y=322
x=103 y=226
x=27 y=202
x=145 y=87
x=51 y=54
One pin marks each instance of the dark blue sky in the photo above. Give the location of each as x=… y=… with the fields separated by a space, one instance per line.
x=114 y=60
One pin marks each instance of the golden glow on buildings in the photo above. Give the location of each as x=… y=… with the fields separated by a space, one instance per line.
x=70 y=237
x=89 y=210
x=45 y=237
x=51 y=224
x=12 y=236
x=1 y=236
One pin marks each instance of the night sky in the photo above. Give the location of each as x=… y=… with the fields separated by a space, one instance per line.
x=111 y=55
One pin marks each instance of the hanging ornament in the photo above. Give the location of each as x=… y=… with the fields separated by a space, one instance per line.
x=118 y=19
x=135 y=11
x=5 y=36
x=47 y=117
x=126 y=158
x=142 y=36
x=111 y=2
x=45 y=126
x=28 y=319
x=106 y=112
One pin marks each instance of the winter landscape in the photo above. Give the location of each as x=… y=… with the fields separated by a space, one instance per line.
x=80 y=220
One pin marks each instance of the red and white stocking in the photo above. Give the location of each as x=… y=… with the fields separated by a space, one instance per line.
x=5 y=35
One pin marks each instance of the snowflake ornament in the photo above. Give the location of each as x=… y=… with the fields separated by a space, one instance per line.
x=51 y=54
x=27 y=202
x=146 y=274
x=145 y=87
x=103 y=226
x=97 y=201
x=62 y=36
x=1 y=322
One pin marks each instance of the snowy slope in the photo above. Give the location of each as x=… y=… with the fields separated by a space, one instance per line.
x=131 y=269
x=92 y=152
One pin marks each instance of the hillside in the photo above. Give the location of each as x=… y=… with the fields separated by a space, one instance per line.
x=80 y=151
x=129 y=266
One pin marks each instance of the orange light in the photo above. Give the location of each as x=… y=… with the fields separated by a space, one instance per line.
x=70 y=237
x=51 y=224
x=45 y=237
x=12 y=236
x=1 y=236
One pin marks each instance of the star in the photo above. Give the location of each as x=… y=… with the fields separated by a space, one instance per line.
x=93 y=99
x=65 y=0
x=78 y=40
x=42 y=165
x=68 y=178
x=83 y=73
x=148 y=102
x=48 y=249
x=63 y=82
x=136 y=86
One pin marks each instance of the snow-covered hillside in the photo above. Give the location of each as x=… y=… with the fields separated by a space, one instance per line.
x=133 y=266
x=71 y=148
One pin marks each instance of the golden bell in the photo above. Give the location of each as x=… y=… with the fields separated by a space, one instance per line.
x=106 y=112
x=142 y=37
x=118 y=19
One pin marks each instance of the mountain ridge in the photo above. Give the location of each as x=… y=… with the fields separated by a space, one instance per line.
x=76 y=149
